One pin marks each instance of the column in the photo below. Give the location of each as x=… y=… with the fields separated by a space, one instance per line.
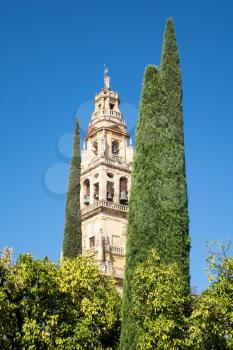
x=102 y=184
x=116 y=188
x=91 y=189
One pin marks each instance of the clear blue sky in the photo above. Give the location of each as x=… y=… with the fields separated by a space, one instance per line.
x=51 y=65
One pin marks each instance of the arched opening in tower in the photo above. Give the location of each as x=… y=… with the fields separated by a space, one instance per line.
x=96 y=191
x=115 y=148
x=123 y=190
x=110 y=191
x=86 y=191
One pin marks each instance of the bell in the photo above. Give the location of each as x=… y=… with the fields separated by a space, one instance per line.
x=109 y=195
x=96 y=195
x=123 y=196
x=86 y=199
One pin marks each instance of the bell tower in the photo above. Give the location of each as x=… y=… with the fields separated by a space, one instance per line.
x=105 y=183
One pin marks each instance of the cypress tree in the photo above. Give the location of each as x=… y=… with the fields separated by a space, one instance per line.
x=72 y=244
x=170 y=71
x=143 y=217
x=158 y=209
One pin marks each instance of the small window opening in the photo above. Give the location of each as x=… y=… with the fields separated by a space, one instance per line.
x=110 y=191
x=115 y=148
x=86 y=190
x=96 y=191
x=92 y=241
x=123 y=191
x=111 y=175
x=112 y=106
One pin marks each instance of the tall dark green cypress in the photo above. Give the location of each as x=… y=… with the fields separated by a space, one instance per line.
x=72 y=244
x=158 y=208
x=171 y=78
x=143 y=218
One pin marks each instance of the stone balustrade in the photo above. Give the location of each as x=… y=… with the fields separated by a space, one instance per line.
x=107 y=113
x=105 y=204
x=117 y=250
x=114 y=160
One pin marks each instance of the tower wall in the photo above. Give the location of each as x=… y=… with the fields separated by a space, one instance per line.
x=105 y=185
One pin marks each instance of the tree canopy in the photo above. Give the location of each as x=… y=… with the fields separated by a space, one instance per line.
x=166 y=318
x=45 y=306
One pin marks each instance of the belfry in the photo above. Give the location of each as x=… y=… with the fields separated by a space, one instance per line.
x=106 y=167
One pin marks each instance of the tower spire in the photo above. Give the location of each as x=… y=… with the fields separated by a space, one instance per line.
x=106 y=78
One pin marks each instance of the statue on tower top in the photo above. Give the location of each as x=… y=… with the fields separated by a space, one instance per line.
x=106 y=78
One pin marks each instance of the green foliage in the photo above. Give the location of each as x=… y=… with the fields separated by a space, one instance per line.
x=72 y=245
x=143 y=229
x=211 y=322
x=160 y=305
x=158 y=208
x=46 y=307
x=177 y=235
x=166 y=318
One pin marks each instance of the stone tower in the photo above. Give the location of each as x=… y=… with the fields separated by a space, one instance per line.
x=105 y=183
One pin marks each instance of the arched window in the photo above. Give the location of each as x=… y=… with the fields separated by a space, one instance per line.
x=123 y=190
x=115 y=148
x=110 y=191
x=96 y=191
x=92 y=241
x=86 y=191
